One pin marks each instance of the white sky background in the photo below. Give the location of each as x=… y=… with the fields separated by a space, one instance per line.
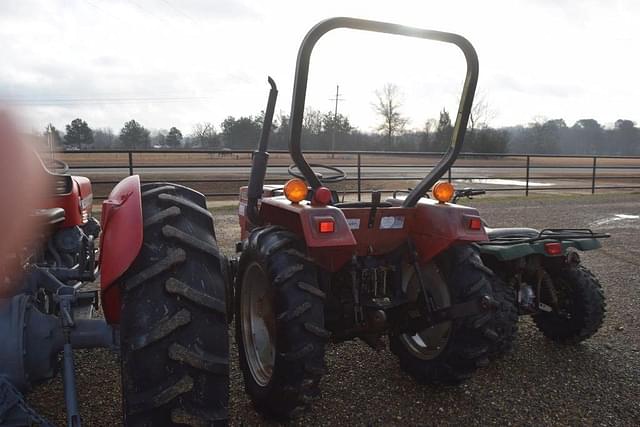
x=557 y=59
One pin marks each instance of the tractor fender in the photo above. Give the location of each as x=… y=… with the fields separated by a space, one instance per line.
x=120 y=241
x=519 y=250
x=329 y=250
x=438 y=226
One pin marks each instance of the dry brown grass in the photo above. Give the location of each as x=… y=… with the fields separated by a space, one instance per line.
x=577 y=172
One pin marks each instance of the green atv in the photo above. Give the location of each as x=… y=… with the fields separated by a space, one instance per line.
x=539 y=273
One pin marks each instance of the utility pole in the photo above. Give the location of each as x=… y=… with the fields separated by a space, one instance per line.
x=335 y=119
x=50 y=141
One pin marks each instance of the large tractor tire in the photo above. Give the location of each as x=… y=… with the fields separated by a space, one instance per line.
x=279 y=323
x=505 y=320
x=581 y=306
x=174 y=337
x=449 y=352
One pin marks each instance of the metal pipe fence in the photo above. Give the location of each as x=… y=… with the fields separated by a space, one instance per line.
x=217 y=170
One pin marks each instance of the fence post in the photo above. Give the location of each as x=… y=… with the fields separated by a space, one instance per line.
x=449 y=175
x=130 y=163
x=593 y=176
x=526 y=184
x=359 y=176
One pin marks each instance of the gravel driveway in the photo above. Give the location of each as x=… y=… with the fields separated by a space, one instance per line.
x=596 y=382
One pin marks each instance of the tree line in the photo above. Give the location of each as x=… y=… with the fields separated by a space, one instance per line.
x=329 y=131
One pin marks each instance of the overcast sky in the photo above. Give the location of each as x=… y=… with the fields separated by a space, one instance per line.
x=178 y=62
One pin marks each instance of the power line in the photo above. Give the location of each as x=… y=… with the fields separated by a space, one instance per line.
x=179 y=10
x=96 y=100
x=90 y=3
x=149 y=13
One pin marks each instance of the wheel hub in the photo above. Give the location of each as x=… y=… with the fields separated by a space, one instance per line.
x=258 y=322
x=429 y=343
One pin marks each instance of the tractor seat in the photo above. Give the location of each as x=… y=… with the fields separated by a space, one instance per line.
x=500 y=233
x=374 y=204
x=49 y=216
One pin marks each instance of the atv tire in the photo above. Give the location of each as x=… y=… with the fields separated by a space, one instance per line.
x=505 y=320
x=580 y=295
x=279 y=323
x=465 y=278
x=174 y=335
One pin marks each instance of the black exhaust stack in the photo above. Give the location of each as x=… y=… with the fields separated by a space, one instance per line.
x=260 y=159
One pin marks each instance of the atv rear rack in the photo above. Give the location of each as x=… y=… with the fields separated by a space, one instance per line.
x=549 y=234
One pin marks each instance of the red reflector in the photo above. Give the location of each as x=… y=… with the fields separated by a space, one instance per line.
x=322 y=196
x=553 y=248
x=475 y=224
x=326 y=226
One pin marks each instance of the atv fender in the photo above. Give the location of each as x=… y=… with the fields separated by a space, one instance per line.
x=120 y=241
x=519 y=250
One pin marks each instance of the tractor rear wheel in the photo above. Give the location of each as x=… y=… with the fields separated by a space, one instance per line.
x=279 y=323
x=449 y=352
x=174 y=337
x=580 y=308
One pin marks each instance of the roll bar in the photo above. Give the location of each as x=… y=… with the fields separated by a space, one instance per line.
x=300 y=91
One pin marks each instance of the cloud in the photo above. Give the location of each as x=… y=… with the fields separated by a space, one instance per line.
x=179 y=62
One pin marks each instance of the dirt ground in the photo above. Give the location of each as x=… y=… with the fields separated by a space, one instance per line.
x=540 y=383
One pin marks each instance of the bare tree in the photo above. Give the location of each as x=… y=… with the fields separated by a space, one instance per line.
x=312 y=121
x=388 y=107
x=205 y=135
x=430 y=125
x=481 y=112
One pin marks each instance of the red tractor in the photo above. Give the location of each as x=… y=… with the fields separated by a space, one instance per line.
x=162 y=294
x=314 y=269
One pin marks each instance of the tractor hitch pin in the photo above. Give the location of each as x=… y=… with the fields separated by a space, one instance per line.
x=357 y=309
x=65 y=298
x=375 y=282
x=384 y=280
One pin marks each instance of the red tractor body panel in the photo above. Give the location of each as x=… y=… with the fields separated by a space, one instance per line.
x=432 y=226
x=330 y=250
x=77 y=204
x=120 y=241
x=437 y=226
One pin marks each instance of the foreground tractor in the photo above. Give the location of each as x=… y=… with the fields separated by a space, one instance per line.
x=540 y=274
x=162 y=286
x=313 y=269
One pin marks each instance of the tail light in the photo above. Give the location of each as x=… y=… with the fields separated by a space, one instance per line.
x=553 y=248
x=63 y=184
x=85 y=207
x=475 y=224
x=326 y=226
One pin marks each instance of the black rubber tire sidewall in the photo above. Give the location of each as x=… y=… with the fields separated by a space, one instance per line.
x=294 y=383
x=470 y=337
x=147 y=370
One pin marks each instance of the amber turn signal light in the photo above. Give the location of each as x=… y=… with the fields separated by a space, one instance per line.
x=443 y=192
x=295 y=190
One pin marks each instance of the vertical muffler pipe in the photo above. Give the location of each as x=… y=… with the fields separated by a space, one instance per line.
x=260 y=159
